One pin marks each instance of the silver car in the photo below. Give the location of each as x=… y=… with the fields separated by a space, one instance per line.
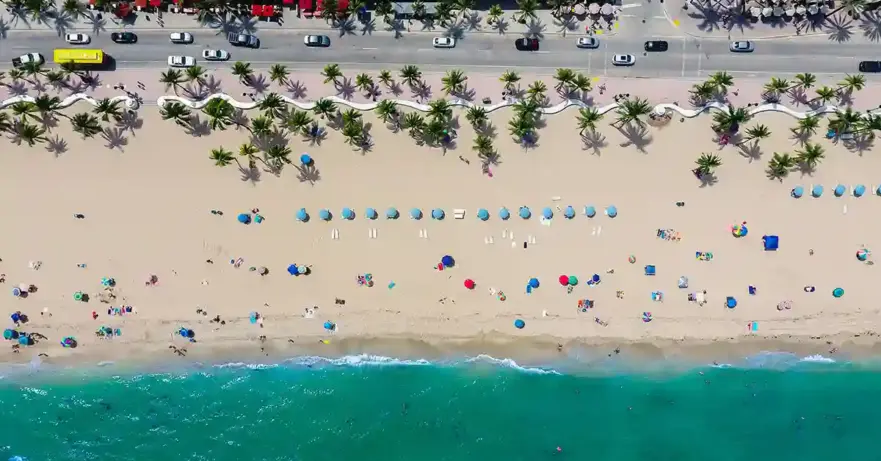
x=742 y=46
x=623 y=60
x=181 y=37
x=587 y=42
x=181 y=61
x=215 y=55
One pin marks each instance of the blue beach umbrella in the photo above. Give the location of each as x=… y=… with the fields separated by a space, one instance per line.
x=392 y=213
x=859 y=190
x=817 y=190
x=533 y=282
x=482 y=214
x=302 y=215
x=348 y=213
x=525 y=213
x=415 y=213
x=324 y=214
x=448 y=261
x=590 y=211
x=612 y=211
x=25 y=340
x=547 y=212
x=797 y=192
x=505 y=214
x=16 y=292
x=519 y=324
x=371 y=213
x=244 y=218
x=839 y=190
x=878 y=190
x=305 y=159
x=838 y=292
x=730 y=302
x=329 y=325
x=438 y=214
x=569 y=212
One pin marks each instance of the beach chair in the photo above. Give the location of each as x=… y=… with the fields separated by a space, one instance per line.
x=458 y=213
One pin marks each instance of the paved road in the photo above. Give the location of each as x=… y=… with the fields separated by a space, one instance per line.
x=686 y=57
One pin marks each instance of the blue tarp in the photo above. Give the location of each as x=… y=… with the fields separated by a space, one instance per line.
x=650 y=270
x=772 y=242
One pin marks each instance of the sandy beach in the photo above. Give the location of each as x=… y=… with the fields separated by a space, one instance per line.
x=147 y=211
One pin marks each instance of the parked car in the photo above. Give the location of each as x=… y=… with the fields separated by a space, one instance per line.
x=246 y=40
x=742 y=46
x=526 y=44
x=181 y=38
x=444 y=42
x=215 y=55
x=181 y=61
x=77 y=39
x=623 y=60
x=656 y=46
x=28 y=58
x=870 y=66
x=587 y=42
x=322 y=41
x=124 y=37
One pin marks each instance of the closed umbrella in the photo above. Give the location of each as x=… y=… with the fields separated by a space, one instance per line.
x=392 y=213
x=859 y=190
x=244 y=218
x=533 y=282
x=612 y=211
x=348 y=213
x=817 y=190
x=547 y=212
x=839 y=190
x=525 y=213
x=590 y=211
x=797 y=192
x=569 y=212
x=370 y=213
x=415 y=213
x=302 y=215
x=505 y=214
x=325 y=214
x=437 y=213
x=482 y=214
x=448 y=261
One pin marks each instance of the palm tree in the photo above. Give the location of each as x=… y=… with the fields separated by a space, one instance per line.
x=440 y=109
x=537 y=90
x=780 y=165
x=411 y=75
x=824 y=95
x=297 y=121
x=385 y=77
x=803 y=81
x=55 y=78
x=581 y=83
x=172 y=78
x=871 y=124
x=454 y=82
x=176 y=111
x=721 y=81
x=509 y=78
x=527 y=10
x=261 y=126
x=330 y=11
x=48 y=106
x=477 y=116
x=386 y=110
x=564 y=77
x=385 y=9
x=443 y=12
x=221 y=156
x=196 y=74
x=24 y=111
x=587 y=119
x=730 y=121
x=324 y=108
x=528 y=108
x=272 y=105
x=495 y=12
x=32 y=69
x=810 y=156
x=844 y=122
x=350 y=116
x=278 y=73
x=277 y=156
x=30 y=134
x=74 y=8
x=15 y=75
x=85 y=124
x=521 y=128
x=220 y=113
x=249 y=151
x=353 y=132
x=775 y=87
x=486 y=152
x=854 y=8
x=70 y=68
x=630 y=110
x=415 y=123
x=107 y=109
x=331 y=73
x=243 y=71
x=702 y=92
x=5 y=122
x=852 y=83
x=364 y=83
x=755 y=133
x=706 y=163
x=434 y=133
x=806 y=127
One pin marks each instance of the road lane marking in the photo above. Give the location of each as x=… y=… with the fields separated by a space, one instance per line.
x=684 y=56
x=372 y=49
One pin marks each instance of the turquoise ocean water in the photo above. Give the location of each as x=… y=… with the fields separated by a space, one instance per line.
x=771 y=407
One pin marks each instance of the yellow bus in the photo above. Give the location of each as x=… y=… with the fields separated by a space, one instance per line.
x=79 y=56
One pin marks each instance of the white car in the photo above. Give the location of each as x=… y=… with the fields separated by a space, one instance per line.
x=742 y=46
x=181 y=37
x=215 y=55
x=322 y=41
x=587 y=42
x=181 y=61
x=77 y=39
x=444 y=42
x=36 y=58
x=623 y=60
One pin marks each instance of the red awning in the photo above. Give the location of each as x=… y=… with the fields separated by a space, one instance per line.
x=268 y=11
x=287 y=2
x=256 y=10
x=343 y=5
x=156 y=3
x=141 y=3
x=307 y=5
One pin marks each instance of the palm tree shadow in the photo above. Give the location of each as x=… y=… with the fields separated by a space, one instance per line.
x=195 y=91
x=501 y=26
x=258 y=83
x=315 y=135
x=4 y=28
x=708 y=180
x=535 y=29
x=17 y=88
x=739 y=22
x=240 y=119
x=421 y=92
x=308 y=173
x=566 y=24
x=129 y=121
x=347 y=27
x=845 y=98
x=456 y=31
x=198 y=127
x=798 y=97
x=345 y=88
x=593 y=141
x=841 y=28
x=871 y=26
x=710 y=19
x=806 y=170
x=428 y=25
x=91 y=80
x=212 y=84
x=472 y=20
x=751 y=151
x=97 y=25
x=49 y=121
x=488 y=129
x=62 y=23
x=368 y=28
x=395 y=89
x=800 y=137
x=296 y=89
x=637 y=135
x=861 y=143
x=115 y=138
x=248 y=174
x=248 y=25
x=397 y=26
x=467 y=94
x=56 y=146
x=19 y=14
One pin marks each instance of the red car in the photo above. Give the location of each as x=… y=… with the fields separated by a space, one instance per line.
x=526 y=44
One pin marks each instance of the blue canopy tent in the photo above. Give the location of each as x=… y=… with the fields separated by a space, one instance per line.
x=348 y=214
x=371 y=213
x=448 y=261
x=569 y=212
x=302 y=215
x=839 y=190
x=438 y=214
x=482 y=214
x=392 y=213
x=325 y=214
x=859 y=190
x=590 y=211
x=771 y=242
x=797 y=192
x=415 y=213
x=817 y=191
x=611 y=211
x=244 y=218
x=519 y=324
x=525 y=213
x=504 y=214
x=306 y=159
x=547 y=213
x=650 y=270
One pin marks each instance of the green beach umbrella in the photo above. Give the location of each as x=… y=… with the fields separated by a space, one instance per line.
x=78 y=296
x=573 y=280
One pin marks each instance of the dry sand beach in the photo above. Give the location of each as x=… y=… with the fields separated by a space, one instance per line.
x=147 y=209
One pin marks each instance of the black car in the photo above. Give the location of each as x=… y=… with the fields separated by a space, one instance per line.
x=656 y=45
x=870 y=66
x=526 y=44
x=124 y=37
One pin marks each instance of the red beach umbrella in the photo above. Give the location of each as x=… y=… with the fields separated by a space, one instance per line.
x=564 y=280
x=469 y=284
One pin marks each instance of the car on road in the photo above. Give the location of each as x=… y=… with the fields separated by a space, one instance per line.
x=322 y=41
x=77 y=39
x=246 y=40
x=443 y=42
x=526 y=44
x=215 y=55
x=587 y=42
x=870 y=66
x=181 y=61
x=124 y=37
x=742 y=46
x=623 y=60
x=656 y=46
x=36 y=58
x=181 y=38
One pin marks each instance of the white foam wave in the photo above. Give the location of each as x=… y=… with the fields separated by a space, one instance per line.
x=510 y=363
x=129 y=103
x=818 y=359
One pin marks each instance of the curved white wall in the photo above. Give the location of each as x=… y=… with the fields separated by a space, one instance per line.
x=71 y=100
